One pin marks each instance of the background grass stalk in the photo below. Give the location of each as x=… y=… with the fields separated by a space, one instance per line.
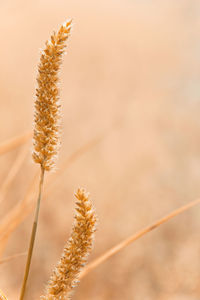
x=114 y=250
x=33 y=234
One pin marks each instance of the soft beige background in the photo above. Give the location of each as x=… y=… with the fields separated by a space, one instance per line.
x=132 y=72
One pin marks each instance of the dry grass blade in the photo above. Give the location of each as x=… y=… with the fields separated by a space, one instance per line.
x=11 y=257
x=52 y=181
x=18 y=213
x=15 y=142
x=13 y=172
x=114 y=250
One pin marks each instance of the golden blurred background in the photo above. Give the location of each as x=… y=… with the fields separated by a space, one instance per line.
x=130 y=87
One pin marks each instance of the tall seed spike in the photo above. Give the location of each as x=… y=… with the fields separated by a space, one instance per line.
x=47 y=108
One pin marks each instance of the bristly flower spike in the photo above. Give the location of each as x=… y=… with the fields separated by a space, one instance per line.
x=46 y=134
x=66 y=274
x=47 y=108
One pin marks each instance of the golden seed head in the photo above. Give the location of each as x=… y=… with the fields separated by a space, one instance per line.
x=66 y=274
x=47 y=109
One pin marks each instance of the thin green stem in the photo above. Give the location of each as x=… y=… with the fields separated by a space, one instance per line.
x=33 y=234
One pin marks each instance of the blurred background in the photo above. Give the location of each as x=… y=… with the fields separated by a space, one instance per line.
x=130 y=94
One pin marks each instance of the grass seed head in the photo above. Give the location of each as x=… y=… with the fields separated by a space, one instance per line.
x=47 y=108
x=66 y=274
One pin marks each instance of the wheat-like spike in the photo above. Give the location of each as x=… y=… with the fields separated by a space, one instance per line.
x=47 y=109
x=47 y=115
x=66 y=274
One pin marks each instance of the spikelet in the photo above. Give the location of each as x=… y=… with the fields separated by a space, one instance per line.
x=74 y=257
x=47 y=109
